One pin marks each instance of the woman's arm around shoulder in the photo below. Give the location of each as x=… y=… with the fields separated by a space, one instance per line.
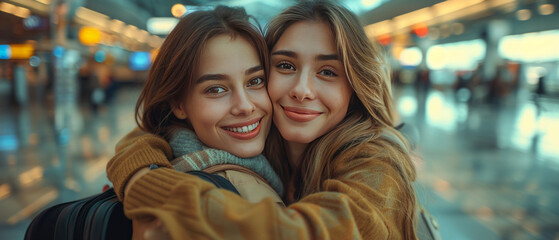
x=136 y=151
x=364 y=203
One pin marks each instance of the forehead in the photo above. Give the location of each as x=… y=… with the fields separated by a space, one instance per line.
x=307 y=36
x=224 y=53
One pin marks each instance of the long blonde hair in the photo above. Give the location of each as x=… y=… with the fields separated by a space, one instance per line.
x=369 y=115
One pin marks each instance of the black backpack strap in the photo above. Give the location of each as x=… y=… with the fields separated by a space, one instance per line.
x=215 y=179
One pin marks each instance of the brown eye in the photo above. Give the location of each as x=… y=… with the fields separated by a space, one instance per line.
x=255 y=82
x=215 y=90
x=286 y=66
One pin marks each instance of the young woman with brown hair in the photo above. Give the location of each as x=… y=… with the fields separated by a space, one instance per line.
x=206 y=96
x=347 y=171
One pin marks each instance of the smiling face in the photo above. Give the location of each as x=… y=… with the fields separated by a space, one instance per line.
x=307 y=84
x=228 y=106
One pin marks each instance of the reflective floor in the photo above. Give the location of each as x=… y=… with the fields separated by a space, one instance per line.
x=488 y=171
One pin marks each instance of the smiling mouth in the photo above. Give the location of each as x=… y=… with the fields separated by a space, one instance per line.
x=300 y=114
x=243 y=129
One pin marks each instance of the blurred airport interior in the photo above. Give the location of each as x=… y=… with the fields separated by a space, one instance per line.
x=479 y=79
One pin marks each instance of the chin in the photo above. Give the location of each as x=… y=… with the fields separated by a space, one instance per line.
x=247 y=153
x=297 y=137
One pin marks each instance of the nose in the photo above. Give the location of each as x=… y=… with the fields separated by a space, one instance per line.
x=242 y=104
x=304 y=87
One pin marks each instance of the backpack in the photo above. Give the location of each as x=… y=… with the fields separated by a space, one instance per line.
x=100 y=216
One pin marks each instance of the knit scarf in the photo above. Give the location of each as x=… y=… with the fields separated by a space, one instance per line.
x=191 y=154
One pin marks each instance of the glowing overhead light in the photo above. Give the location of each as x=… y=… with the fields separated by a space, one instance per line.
x=410 y=57
x=178 y=10
x=155 y=41
x=6 y=7
x=22 y=12
x=413 y=18
x=448 y=7
x=370 y=3
x=130 y=31
x=89 y=36
x=457 y=28
x=523 y=14
x=445 y=11
x=116 y=25
x=531 y=47
x=384 y=39
x=380 y=28
x=93 y=17
x=434 y=33
x=85 y=12
x=142 y=36
x=421 y=30
x=458 y=56
x=15 y=10
x=161 y=26
x=546 y=9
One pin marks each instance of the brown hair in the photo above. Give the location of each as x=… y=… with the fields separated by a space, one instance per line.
x=369 y=115
x=172 y=72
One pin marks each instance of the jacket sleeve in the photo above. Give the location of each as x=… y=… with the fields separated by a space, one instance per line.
x=347 y=208
x=135 y=151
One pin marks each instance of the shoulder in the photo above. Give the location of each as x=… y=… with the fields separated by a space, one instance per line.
x=382 y=156
x=250 y=187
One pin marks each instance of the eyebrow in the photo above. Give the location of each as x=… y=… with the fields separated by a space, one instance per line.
x=325 y=57
x=321 y=57
x=208 y=77
x=254 y=69
x=285 y=53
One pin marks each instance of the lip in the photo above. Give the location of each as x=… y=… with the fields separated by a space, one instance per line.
x=298 y=114
x=244 y=136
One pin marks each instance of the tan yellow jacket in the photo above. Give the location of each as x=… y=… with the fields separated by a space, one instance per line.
x=363 y=198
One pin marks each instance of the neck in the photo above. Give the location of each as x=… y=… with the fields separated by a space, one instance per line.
x=295 y=153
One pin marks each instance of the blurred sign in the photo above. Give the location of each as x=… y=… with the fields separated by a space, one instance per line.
x=5 y=52
x=35 y=23
x=16 y=51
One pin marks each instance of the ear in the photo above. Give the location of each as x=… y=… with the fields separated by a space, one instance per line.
x=179 y=112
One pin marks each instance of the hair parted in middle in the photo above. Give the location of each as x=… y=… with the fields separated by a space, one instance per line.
x=172 y=73
x=369 y=114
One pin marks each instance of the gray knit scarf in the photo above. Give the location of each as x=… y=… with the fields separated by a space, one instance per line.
x=191 y=154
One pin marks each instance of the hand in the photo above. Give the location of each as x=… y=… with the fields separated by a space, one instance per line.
x=152 y=229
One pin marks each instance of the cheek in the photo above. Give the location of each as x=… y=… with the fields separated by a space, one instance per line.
x=338 y=99
x=262 y=100
x=204 y=113
x=275 y=88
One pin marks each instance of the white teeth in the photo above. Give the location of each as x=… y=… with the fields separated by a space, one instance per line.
x=244 y=129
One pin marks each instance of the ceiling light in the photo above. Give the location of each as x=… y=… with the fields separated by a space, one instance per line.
x=546 y=9
x=523 y=14
x=178 y=10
